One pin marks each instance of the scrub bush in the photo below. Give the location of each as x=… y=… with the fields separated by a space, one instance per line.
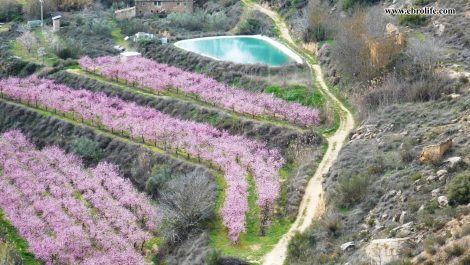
x=459 y=188
x=88 y=149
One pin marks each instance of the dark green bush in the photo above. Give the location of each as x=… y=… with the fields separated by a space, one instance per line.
x=422 y=2
x=79 y=20
x=9 y=10
x=316 y=33
x=158 y=178
x=459 y=188
x=213 y=257
x=249 y=26
x=299 y=3
x=86 y=148
x=411 y=20
x=28 y=69
x=256 y=22
x=347 y=4
x=65 y=53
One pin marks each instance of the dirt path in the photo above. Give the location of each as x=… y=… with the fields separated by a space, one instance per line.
x=281 y=25
x=312 y=204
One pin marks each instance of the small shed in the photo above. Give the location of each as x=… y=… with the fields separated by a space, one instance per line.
x=56 y=23
x=125 y=55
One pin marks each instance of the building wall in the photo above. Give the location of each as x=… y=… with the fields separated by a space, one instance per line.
x=125 y=13
x=152 y=7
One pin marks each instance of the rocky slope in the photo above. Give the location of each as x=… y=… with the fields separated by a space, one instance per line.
x=384 y=203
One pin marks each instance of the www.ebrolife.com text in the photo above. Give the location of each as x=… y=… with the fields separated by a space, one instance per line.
x=428 y=11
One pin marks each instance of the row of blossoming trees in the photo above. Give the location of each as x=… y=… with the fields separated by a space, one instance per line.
x=69 y=214
x=236 y=156
x=148 y=74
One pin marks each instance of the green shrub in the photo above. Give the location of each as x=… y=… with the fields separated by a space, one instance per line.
x=9 y=10
x=331 y=223
x=65 y=53
x=430 y=245
x=250 y=26
x=352 y=190
x=299 y=3
x=406 y=151
x=459 y=188
x=411 y=20
x=213 y=257
x=347 y=4
x=298 y=244
x=100 y=26
x=131 y=27
x=298 y=94
x=159 y=177
x=79 y=20
x=416 y=176
x=455 y=250
x=86 y=148
x=378 y=166
x=431 y=206
x=200 y=20
x=422 y=2
x=316 y=33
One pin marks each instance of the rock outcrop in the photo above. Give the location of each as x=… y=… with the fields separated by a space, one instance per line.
x=433 y=153
x=384 y=251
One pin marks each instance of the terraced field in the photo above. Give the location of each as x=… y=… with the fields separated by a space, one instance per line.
x=250 y=155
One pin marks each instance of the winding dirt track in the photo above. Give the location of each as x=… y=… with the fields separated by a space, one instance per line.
x=312 y=204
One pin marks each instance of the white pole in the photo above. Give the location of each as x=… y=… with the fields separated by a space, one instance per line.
x=42 y=14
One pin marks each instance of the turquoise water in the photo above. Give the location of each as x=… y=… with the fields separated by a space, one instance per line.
x=243 y=50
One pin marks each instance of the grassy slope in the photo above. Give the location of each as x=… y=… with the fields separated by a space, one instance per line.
x=18 y=243
x=49 y=60
x=118 y=38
